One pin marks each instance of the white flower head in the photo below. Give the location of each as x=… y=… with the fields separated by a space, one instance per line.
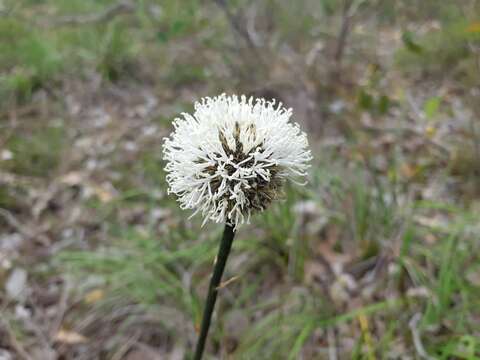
x=232 y=156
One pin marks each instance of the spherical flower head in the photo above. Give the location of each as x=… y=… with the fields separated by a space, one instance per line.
x=232 y=156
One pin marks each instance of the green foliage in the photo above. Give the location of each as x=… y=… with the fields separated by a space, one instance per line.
x=27 y=58
x=366 y=210
x=37 y=153
x=295 y=22
x=185 y=74
x=7 y=200
x=150 y=271
x=115 y=53
x=410 y=43
x=431 y=107
x=440 y=50
x=281 y=226
x=464 y=347
x=375 y=104
x=146 y=270
x=283 y=331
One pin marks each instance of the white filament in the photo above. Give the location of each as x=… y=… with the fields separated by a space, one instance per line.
x=194 y=148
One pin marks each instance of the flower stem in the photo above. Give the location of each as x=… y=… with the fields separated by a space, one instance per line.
x=220 y=262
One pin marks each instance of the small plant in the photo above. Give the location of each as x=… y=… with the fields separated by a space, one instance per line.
x=228 y=160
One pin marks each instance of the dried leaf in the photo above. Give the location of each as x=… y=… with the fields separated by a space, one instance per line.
x=473 y=28
x=408 y=171
x=72 y=178
x=16 y=284
x=94 y=296
x=103 y=194
x=70 y=337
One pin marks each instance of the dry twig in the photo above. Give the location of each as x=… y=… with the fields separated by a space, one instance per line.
x=344 y=31
x=332 y=344
x=417 y=340
x=13 y=222
x=17 y=347
x=236 y=23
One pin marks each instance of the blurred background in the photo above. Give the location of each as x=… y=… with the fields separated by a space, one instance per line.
x=376 y=258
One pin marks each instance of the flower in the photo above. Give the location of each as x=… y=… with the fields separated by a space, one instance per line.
x=232 y=156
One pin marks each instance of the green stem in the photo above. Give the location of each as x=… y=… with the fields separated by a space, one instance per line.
x=220 y=262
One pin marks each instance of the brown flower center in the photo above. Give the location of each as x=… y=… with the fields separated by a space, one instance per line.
x=259 y=192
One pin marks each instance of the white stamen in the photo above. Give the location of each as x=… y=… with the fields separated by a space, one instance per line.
x=215 y=178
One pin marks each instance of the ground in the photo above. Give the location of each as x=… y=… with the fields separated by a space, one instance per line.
x=377 y=257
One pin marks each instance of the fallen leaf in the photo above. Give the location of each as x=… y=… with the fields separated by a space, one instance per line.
x=94 y=296
x=473 y=276
x=473 y=27
x=6 y=155
x=72 y=178
x=103 y=194
x=430 y=131
x=408 y=171
x=16 y=284
x=70 y=337
x=5 y=355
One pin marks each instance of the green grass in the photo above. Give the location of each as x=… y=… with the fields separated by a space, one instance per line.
x=149 y=269
x=37 y=153
x=447 y=49
x=146 y=270
x=27 y=57
x=33 y=55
